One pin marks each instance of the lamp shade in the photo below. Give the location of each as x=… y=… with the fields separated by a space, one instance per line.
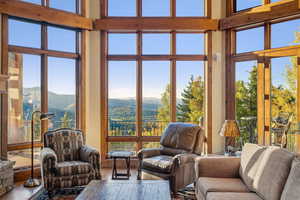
x=230 y=129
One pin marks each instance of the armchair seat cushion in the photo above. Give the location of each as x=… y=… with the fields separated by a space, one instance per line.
x=73 y=168
x=206 y=185
x=232 y=196
x=161 y=163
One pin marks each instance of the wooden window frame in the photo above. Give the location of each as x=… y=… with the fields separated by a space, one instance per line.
x=80 y=61
x=263 y=59
x=139 y=58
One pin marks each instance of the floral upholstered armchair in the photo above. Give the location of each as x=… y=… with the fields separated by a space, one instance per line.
x=66 y=161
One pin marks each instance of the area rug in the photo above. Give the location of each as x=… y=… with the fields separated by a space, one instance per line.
x=187 y=193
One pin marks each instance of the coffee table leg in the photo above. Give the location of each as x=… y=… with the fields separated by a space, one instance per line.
x=114 y=172
x=128 y=167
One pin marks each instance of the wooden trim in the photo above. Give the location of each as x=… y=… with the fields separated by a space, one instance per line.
x=158 y=57
x=24 y=173
x=209 y=82
x=298 y=88
x=156 y=23
x=103 y=94
x=261 y=14
x=244 y=57
x=208 y=8
x=4 y=97
x=22 y=146
x=44 y=14
x=133 y=139
x=260 y=101
x=267 y=93
x=173 y=95
x=139 y=90
x=28 y=50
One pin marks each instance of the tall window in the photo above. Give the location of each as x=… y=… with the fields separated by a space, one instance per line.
x=42 y=70
x=153 y=77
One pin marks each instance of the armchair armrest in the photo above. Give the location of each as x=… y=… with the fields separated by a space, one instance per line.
x=92 y=156
x=146 y=153
x=185 y=158
x=49 y=161
x=217 y=167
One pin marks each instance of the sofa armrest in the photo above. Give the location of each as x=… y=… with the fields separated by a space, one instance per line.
x=92 y=156
x=49 y=161
x=146 y=153
x=217 y=167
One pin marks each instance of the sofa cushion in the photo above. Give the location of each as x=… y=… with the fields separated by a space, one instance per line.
x=73 y=168
x=272 y=173
x=207 y=184
x=232 y=196
x=180 y=136
x=250 y=159
x=200 y=142
x=160 y=163
x=292 y=187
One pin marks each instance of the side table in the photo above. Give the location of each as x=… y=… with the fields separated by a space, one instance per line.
x=115 y=155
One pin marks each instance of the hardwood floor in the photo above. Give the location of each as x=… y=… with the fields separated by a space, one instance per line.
x=22 y=193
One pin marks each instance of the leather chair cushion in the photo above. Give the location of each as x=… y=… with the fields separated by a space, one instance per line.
x=180 y=136
x=73 y=168
x=161 y=163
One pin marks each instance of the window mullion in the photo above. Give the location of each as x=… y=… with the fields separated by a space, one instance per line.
x=139 y=91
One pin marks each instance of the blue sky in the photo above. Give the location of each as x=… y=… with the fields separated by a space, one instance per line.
x=156 y=74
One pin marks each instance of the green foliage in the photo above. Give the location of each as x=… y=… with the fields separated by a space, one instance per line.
x=164 y=109
x=191 y=107
x=65 y=121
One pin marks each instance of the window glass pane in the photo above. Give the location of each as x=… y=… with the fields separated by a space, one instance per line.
x=156 y=97
x=283 y=98
x=285 y=33
x=23 y=157
x=23 y=97
x=156 y=44
x=122 y=8
x=244 y=42
x=274 y=1
x=190 y=8
x=62 y=92
x=246 y=101
x=24 y=34
x=190 y=91
x=119 y=44
x=190 y=43
x=155 y=8
x=244 y=4
x=66 y=5
x=33 y=1
x=151 y=145
x=61 y=39
x=122 y=98
x=122 y=146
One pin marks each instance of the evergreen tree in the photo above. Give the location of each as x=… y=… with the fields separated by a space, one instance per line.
x=191 y=107
x=164 y=109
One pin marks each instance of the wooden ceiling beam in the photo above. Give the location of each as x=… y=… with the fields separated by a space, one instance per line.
x=40 y=13
x=156 y=23
x=261 y=14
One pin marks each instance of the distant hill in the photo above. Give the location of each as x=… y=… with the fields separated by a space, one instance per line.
x=119 y=109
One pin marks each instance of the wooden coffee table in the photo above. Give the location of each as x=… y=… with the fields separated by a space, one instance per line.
x=126 y=190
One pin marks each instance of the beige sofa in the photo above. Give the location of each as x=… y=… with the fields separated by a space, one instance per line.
x=262 y=173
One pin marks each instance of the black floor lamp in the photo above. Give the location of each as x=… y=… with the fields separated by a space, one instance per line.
x=32 y=182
